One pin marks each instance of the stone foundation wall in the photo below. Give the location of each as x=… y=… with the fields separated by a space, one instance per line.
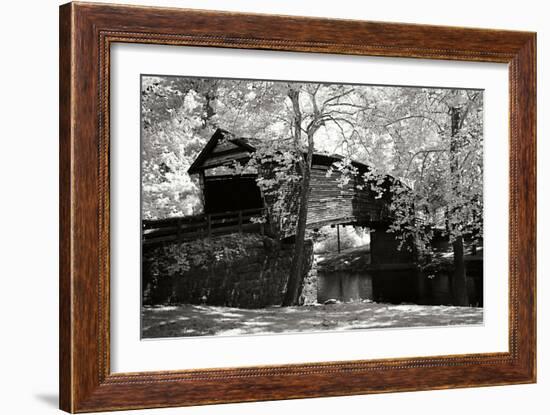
x=254 y=279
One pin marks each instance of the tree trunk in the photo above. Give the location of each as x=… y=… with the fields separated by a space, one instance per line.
x=294 y=284
x=458 y=282
x=459 y=287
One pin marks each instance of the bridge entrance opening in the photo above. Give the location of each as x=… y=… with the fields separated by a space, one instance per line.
x=231 y=193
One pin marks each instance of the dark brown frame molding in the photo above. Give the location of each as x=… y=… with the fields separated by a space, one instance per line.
x=86 y=33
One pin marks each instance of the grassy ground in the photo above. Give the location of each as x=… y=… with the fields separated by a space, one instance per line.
x=201 y=320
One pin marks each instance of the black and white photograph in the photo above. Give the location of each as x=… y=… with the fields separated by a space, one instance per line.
x=288 y=206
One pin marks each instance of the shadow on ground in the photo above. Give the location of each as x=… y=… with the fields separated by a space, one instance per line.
x=201 y=320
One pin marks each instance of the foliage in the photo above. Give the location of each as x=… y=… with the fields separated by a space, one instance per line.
x=173 y=133
x=326 y=238
x=444 y=178
x=438 y=172
x=178 y=258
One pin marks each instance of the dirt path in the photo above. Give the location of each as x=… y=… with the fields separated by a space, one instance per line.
x=201 y=320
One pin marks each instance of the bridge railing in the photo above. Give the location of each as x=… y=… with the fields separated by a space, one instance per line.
x=187 y=228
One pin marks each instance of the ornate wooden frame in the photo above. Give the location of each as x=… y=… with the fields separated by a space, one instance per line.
x=86 y=33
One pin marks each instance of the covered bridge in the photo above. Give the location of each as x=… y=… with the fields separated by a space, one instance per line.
x=330 y=202
x=232 y=200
